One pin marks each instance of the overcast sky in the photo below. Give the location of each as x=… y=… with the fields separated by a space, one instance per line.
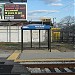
x=58 y=9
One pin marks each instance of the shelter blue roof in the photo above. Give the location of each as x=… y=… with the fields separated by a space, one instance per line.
x=36 y=27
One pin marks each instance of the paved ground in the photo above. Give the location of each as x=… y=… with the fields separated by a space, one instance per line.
x=5 y=53
x=17 y=53
x=29 y=55
x=7 y=64
x=36 y=55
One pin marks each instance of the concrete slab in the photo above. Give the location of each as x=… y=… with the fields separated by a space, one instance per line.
x=5 y=53
x=46 y=55
x=41 y=55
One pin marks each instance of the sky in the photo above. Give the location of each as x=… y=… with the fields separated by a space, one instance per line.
x=57 y=9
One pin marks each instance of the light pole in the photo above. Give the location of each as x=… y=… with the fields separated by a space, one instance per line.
x=53 y=21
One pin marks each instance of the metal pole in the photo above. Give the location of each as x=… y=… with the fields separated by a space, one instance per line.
x=39 y=38
x=18 y=33
x=62 y=35
x=9 y=32
x=73 y=35
x=31 y=38
x=50 y=39
x=21 y=39
x=53 y=22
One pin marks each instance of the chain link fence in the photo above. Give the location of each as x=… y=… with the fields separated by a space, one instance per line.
x=65 y=41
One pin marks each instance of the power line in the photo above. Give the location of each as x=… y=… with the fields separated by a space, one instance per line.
x=61 y=8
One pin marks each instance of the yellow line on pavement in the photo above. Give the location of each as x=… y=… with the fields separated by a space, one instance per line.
x=14 y=55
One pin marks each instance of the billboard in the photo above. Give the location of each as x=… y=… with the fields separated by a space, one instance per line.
x=13 y=11
x=13 y=0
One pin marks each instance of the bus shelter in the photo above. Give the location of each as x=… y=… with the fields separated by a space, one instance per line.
x=36 y=27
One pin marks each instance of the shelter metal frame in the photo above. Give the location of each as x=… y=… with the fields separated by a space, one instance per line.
x=49 y=37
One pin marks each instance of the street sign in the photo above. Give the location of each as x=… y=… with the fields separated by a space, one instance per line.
x=13 y=11
x=36 y=27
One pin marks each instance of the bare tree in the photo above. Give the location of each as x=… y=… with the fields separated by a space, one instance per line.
x=67 y=21
x=68 y=28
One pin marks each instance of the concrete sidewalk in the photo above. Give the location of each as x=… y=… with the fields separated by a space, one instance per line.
x=41 y=55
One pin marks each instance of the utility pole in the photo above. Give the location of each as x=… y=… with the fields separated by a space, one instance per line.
x=54 y=20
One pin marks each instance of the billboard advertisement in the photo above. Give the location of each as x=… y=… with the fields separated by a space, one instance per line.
x=1 y=11
x=13 y=0
x=13 y=11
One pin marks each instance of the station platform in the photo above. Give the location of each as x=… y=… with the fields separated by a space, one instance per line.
x=5 y=53
x=41 y=55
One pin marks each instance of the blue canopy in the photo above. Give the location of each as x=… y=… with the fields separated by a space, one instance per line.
x=36 y=27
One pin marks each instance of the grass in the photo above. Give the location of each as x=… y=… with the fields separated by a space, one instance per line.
x=63 y=47
x=9 y=45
